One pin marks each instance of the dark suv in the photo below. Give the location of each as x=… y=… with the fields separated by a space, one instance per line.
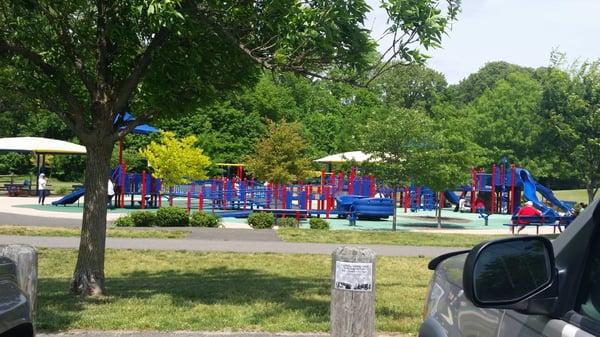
x=521 y=286
x=15 y=319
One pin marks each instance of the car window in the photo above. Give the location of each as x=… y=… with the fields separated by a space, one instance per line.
x=589 y=297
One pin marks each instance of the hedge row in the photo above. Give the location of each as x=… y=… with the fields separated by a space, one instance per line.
x=261 y=220
x=177 y=217
x=168 y=217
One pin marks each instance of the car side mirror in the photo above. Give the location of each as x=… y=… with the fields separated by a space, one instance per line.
x=514 y=273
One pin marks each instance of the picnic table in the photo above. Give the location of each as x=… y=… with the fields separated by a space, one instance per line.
x=15 y=190
x=539 y=221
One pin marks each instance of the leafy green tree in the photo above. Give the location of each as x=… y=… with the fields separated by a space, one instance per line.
x=225 y=130
x=176 y=161
x=409 y=146
x=571 y=106
x=485 y=78
x=89 y=61
x=506 y=121
x=281 y=156
x=412 y=87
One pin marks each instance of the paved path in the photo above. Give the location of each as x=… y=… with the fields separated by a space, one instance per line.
x=222 y=246
x=187 y=334
x=37 y=221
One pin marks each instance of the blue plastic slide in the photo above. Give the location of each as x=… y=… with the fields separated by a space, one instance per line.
x=530 y=187
x=452 y=197
x=70 y=198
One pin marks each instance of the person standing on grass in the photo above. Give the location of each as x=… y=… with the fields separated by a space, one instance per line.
x=42 y=182
x=526 y=211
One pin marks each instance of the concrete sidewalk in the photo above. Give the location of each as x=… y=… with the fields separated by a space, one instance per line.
x=223 y=246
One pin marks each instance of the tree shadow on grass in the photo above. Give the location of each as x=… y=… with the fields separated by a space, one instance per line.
x=59 y=310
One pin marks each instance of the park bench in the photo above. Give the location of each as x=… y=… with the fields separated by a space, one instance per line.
x=16 y=190
x=539 y=221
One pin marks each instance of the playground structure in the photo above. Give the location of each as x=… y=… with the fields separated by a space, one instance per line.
x=238 y=197
x=502 y=191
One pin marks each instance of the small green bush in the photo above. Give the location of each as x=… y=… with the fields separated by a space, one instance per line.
x=261 y=220
x=61 y=190
x=202 y=219
x=318 y=223
x=143 y=218
x=123 y=221
x=171 y=217
x=287 y=222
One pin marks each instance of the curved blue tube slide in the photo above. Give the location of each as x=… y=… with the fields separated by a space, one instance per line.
x=70 y=198
x=530 y=187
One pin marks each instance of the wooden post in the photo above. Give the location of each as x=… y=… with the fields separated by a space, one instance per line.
x=353 y=292
x=26 y=262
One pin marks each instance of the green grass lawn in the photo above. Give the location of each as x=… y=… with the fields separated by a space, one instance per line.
x=384 y=237
x=53 y=184
x=573 y=195
x=166 y=291
x=111 y=232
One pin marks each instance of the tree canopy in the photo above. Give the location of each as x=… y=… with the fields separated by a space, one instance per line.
x=87 y=62
x=281 y=156
x=176 y=161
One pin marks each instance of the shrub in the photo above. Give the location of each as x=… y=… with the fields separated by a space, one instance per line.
x=202 y=219
x=318 y=223
x=123 y=221
x=287 y=222
x=143 y=218
x=61 y=190
x=171 y=217
x=261 y=220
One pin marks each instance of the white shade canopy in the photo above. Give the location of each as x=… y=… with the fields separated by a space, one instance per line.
x=39 y=145
x=356 y=156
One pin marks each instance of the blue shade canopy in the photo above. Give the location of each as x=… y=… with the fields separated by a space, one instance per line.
x=142 y=129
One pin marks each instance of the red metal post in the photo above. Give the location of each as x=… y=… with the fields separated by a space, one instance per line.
x=473 y=188
x=245 y=184
x=493 y=201
x=512 y=189
x=327 y=205
x=122 y=189
x=371 y=186
x=502 y=182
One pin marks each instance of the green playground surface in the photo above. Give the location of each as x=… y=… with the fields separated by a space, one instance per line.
x=405 y=221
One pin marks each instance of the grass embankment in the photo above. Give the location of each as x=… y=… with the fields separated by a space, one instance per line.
x=152 y=290
x=387 y=238
x=111 y=232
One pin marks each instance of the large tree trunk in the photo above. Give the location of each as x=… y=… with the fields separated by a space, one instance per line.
x=88 y=278
x=591 y=192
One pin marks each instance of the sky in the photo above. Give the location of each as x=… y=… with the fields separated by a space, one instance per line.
x=523 y=32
